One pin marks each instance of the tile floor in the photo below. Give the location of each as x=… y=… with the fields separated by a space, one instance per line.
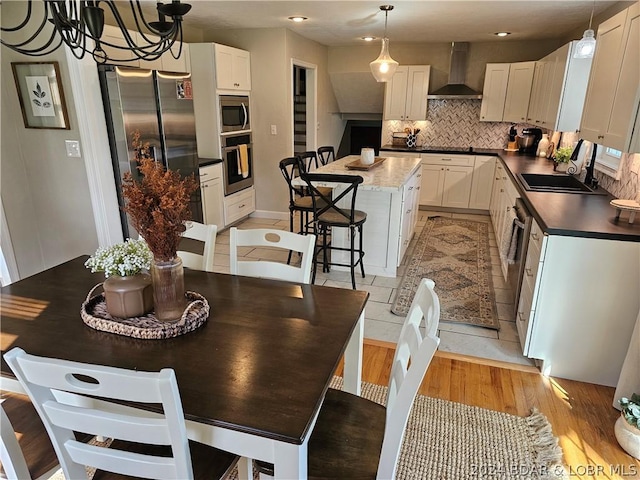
x=380 y=323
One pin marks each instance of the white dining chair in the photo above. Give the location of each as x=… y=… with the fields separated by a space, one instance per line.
x=38 y=460
x=280 y=239
x=357 y=438
x=202 y=233
x=144 y=444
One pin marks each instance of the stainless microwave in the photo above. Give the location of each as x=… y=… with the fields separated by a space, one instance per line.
x=234 y=113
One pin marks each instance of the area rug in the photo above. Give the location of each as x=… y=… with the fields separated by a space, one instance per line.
x=455 y=254
x=451 y=441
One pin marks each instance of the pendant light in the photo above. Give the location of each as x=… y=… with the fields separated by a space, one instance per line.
x=384 y=66
x=587 y=44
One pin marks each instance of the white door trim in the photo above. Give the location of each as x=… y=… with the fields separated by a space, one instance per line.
x=96 y=153
x=312 y=103
x=8 y=267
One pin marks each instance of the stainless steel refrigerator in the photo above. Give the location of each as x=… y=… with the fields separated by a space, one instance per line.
x=159 y=105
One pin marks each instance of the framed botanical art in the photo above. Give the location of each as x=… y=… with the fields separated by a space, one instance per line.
x=41 y=96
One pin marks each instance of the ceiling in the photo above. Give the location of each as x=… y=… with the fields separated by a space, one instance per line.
x=339 y=23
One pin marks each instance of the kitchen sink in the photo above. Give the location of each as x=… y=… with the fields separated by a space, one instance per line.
x=540 y=182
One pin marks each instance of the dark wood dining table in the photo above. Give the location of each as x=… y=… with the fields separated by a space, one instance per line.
x=252 y=379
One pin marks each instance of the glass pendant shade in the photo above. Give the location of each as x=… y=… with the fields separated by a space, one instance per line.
x=586 y=46
x=384 y=66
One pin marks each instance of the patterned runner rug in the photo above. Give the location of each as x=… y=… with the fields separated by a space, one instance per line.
x=454 y=253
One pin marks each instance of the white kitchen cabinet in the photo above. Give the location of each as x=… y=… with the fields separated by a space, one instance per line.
x=410 y=207
x=180 y=64
x=567 y=91
x=530 y=285
x=583 y=314
x=538 y=100
x=494 y=92
x=446 y=180
x=239 y=205
x=212 y=187
x=613 y=94
x=518 y=91
x=406 y=93
x=558 y=90
x=482 y=182
x=233 y=68
x=113 y=34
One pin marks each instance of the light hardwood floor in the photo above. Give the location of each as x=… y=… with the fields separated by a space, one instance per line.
x=581 y=414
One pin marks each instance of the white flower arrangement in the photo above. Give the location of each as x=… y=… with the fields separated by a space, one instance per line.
x=123 y=259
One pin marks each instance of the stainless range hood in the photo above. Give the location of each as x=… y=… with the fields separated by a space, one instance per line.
x=456 y=89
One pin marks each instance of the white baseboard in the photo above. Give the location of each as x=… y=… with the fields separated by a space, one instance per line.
x=269 y=214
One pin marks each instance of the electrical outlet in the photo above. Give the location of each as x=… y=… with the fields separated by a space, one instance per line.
x=274 y=130
x=73 y=148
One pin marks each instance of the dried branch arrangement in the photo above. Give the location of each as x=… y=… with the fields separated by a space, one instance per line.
x=158 y=205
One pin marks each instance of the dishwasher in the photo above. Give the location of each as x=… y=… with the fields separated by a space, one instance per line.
x=515 y=270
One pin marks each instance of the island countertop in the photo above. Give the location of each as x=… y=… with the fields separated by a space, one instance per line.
x=390 y=176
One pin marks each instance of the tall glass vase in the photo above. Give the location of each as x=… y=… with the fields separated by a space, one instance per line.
x=168 y=288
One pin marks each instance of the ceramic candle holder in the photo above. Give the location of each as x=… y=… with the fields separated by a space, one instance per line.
x=367 y=156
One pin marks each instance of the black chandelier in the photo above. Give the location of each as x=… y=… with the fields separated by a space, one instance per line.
x=75 y=21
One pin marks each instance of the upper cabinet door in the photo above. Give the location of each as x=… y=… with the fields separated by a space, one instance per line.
x=417 y=89
x=405 y=95
x=494 y=92
x=627 y=96
x=518 y=91
x=395 y=94
x=233 y=70
x=605 y=69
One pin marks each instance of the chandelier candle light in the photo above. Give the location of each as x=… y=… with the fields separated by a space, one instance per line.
x=47 y=24
x=384 y=66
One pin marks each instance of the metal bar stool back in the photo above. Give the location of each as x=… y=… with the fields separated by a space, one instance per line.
x=326 y=154
x=327 y=214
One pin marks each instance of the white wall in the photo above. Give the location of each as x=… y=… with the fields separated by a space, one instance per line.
x=45 y=194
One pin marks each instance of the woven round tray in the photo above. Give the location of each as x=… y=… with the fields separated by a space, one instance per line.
x=94 y=313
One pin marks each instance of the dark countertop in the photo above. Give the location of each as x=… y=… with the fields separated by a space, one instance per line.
x=566 y=214
x=204 y=162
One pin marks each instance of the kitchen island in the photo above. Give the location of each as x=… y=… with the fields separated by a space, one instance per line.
x=389 y=195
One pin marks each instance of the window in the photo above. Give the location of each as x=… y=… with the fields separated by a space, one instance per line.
x=609 y=161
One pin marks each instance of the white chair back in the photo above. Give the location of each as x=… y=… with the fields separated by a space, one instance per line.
x=263 y=237
x=414 y=352
x=13 y=462
x=203 y=233
x=45 y=379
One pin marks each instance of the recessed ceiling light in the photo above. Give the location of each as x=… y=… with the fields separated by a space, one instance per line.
x=368 y=39
x=502 y=34
x=297 y=19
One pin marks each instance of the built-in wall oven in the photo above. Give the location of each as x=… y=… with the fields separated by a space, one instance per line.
x=237 y=162
x=234 y=113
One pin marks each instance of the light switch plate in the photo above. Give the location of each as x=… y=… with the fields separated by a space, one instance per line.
x=274 y=130
x=73 y=148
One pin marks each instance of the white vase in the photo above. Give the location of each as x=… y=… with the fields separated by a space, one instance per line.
x=543 y=145
x=628 y=437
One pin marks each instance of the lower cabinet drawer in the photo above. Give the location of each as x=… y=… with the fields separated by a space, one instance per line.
x=239 y=205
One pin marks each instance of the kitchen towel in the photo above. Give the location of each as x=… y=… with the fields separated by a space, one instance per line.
x=509 y=237
x=243 y=153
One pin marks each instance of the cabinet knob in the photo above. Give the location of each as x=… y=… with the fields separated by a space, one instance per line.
x=241 y=206
x=410 y=188
x=522 y=118
x=447 y=169
x=442 y=168
x=508 y=209
x=501 y=190
x=482 y=116
x=535 y=236
x=529 y=272
x=419 y=175
x=521 y=316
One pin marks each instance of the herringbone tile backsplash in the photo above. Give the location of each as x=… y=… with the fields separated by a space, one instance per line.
x=453 y=123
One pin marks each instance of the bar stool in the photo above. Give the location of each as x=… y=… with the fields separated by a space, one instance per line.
x=327 y=215
x=326 y=154
x=310 y=160
x=290 y=168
